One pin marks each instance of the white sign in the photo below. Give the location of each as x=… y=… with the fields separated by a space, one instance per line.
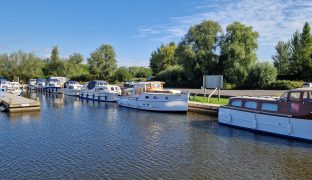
x=24 y=105
x=213 y=81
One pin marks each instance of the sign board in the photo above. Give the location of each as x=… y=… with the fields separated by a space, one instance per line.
x=213 y=81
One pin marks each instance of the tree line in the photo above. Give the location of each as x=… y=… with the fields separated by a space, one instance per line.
x=206 y=50
x=102 y=64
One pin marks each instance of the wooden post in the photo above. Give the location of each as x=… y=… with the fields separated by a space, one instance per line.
x=218 y=94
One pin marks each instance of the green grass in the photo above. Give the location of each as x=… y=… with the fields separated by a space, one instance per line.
x=212 y=100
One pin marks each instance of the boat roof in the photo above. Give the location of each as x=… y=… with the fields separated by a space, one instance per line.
x=148 y=82
x=300 y=89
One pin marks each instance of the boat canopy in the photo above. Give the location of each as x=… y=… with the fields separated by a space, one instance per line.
x=93 y=83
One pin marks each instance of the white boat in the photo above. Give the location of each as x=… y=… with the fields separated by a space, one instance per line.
x=55 y=85
x=32 y=84
x=14 y=88
x=151 y=96
x=289 y=115
x=3 y=86
x=72 y=88
x=40 y=84
x=99 y=91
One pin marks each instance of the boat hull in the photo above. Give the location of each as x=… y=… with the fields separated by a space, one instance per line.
x=56 y=90
x=161 y=106
x=281 y=125
x=103 y=97
x=72 y=92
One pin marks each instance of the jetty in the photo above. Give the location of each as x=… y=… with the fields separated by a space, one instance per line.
x=15 y=103
x=205 y=108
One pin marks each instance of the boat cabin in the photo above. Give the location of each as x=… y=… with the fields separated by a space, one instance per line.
x=293 y=103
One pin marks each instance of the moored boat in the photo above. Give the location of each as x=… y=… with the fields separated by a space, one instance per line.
x=14 y=88
x=289 y=115
x=99 y=91
x=55 y=85
x=72 y=88
x=151 y=96
x=32 y=84
x=40 y=84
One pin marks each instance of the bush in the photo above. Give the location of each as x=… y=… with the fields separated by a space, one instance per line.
x=285 y=85
x=262 y=75
x=173 y=76
x=229 y=86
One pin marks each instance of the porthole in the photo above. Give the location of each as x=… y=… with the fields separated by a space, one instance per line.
x=146 y=97
x=167 y=98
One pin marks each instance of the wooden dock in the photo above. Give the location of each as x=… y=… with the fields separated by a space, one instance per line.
x=15 y=103
x=211 y=109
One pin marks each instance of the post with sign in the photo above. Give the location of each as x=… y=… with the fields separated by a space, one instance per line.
x=213 y=82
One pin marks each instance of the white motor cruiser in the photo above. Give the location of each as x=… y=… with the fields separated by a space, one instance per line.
x=99 y=91
x=55 y=85
x=151 y=96
x=72 y=88
x=40 y=84
x=32 y=84
x=14 y=88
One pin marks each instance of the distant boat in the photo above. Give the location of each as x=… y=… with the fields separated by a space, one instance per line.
x=40 y=84
x=289 y=115
x=72 y=88
x=100 y=91
x=151 y=96
x=14 y=88
x=32 y=84
x=55 y=85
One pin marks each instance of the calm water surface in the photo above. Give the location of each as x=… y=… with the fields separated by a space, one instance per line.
x=77 y=139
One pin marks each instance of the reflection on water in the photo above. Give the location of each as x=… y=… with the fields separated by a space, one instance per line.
x=79 y=139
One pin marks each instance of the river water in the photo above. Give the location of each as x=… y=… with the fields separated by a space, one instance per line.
x=73 y=139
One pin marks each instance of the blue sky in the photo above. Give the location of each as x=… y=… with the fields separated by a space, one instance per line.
x=137 y=27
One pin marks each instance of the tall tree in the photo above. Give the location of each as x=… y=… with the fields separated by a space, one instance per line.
x=197 y=52
x=103 y=62
x=306 y=48
x=281 y=58
x=122 y=74
x=55 y=54
x=75 y=58
x=238 y=52
x=163 y=57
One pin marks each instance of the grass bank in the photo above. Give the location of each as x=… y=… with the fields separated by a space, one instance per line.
x=212 y=100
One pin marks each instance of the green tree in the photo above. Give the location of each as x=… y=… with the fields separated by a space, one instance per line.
x=55 y=54
x=122 y=74
x=262 y=75
x=55 y=68
x=197 y=52
x=281 y=58
x=306 y=49
x=163 y=57
x=140 y=72
x=238 y=52
x=103 y=62
x=30 y=67
x=75 y=58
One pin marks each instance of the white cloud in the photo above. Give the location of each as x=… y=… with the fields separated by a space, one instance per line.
x=275 y=20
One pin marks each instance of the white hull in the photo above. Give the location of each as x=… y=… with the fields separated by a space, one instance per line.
x=107 y=97
x=71 y=92
x=279 y=125
x=154 y=105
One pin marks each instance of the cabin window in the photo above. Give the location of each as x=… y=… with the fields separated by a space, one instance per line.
x=294 y=96
x=112 y=88
x=269 y=107
x=236 y=103
x=250 y=105
x=156 y=85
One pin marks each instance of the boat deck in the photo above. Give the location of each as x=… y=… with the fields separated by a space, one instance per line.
x=15 y=103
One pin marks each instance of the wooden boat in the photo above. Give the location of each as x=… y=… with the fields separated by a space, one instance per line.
x=151 y=96
x=289 y=115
